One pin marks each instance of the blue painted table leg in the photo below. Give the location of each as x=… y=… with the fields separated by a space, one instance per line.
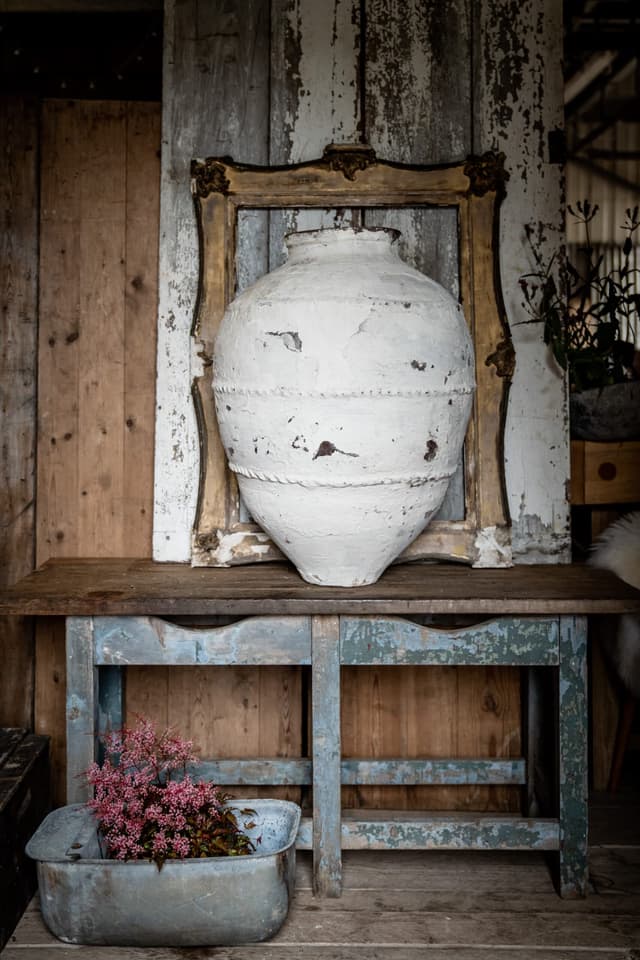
x=325 y=710
x=573 y=754
x=82 y=686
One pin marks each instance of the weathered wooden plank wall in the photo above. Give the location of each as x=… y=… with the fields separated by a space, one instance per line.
x=97 y=344
x=417 y=80
x=518 y=109
x=18 y=299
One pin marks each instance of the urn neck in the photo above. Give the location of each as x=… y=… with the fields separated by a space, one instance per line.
x=342 y=243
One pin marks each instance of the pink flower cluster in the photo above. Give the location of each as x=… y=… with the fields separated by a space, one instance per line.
x=144 y=813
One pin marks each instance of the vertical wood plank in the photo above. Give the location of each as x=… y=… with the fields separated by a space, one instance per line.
x=18 y=300
x=215 y=103
x=60 y=314
x=315 y=96
x=98 y=272
x=606 y=699
x=50 y=697
x=517 y=105
x=573 y=756
x=326 y=754
x=101 y=354
x=142 y=169
x=82 y=706
x=417 y=110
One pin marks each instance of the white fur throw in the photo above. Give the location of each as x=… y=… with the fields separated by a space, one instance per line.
x=618 y=550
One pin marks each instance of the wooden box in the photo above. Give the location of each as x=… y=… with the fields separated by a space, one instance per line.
x=605 y=473
x=24 y=801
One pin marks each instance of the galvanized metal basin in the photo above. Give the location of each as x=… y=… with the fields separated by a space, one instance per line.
x=207 y=902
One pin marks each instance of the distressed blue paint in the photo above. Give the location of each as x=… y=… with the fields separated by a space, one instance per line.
x=256 y=772
x=443 y=833
x=326 y=641
x=573 y=757
x=325 y=740
x=389 y=640
x=413 y=772
x=254 y=641
x=82 y=705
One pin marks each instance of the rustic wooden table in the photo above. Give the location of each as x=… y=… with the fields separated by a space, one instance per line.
x=535 y=616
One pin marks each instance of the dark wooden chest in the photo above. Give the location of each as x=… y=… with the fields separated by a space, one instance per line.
x=24 y=801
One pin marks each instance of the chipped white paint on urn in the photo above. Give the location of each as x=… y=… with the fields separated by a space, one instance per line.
x=343 y=384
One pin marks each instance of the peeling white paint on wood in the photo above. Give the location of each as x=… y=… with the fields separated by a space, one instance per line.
x=215 y=102
x=518 y=105
x=417 y=102
x=494 y=548
x=229 y=542
x=315 y=97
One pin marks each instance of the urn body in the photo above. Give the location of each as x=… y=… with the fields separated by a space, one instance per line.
x=343 y=385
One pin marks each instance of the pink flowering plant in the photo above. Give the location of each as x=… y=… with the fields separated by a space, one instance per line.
x=148 y=806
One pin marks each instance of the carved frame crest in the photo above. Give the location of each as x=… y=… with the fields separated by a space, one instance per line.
x=353 y=177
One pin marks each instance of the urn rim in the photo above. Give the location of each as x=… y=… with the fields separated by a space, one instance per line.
x=298 y=238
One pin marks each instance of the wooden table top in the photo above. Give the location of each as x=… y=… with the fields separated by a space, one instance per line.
x=84 y=587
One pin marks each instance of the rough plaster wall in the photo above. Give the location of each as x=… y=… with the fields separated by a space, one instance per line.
x=518 y=104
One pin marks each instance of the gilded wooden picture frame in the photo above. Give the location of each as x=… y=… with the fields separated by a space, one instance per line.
x=352 y=177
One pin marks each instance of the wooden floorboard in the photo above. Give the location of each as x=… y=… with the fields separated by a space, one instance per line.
x=444 y=906
x=439 y=905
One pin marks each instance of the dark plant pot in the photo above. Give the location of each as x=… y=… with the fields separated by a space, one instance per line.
x=610 y=413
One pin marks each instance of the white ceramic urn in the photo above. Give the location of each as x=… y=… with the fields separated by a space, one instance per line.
x=343 y=385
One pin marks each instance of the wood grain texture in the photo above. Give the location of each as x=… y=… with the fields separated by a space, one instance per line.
x=517 y=104
x=325 y=834
x=142 y=170
x=605 y=473
x=18 y=300
x=315 y=89
x=232 y=711
x=401 y=905
x=96 y=354
x=215 y=103
x=605 y=701
x=82 y=706
x=121 y=586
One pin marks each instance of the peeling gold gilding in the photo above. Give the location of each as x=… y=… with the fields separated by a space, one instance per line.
x=503 y=359
x=348 y=158
x=209 y=176
x=486 y=173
